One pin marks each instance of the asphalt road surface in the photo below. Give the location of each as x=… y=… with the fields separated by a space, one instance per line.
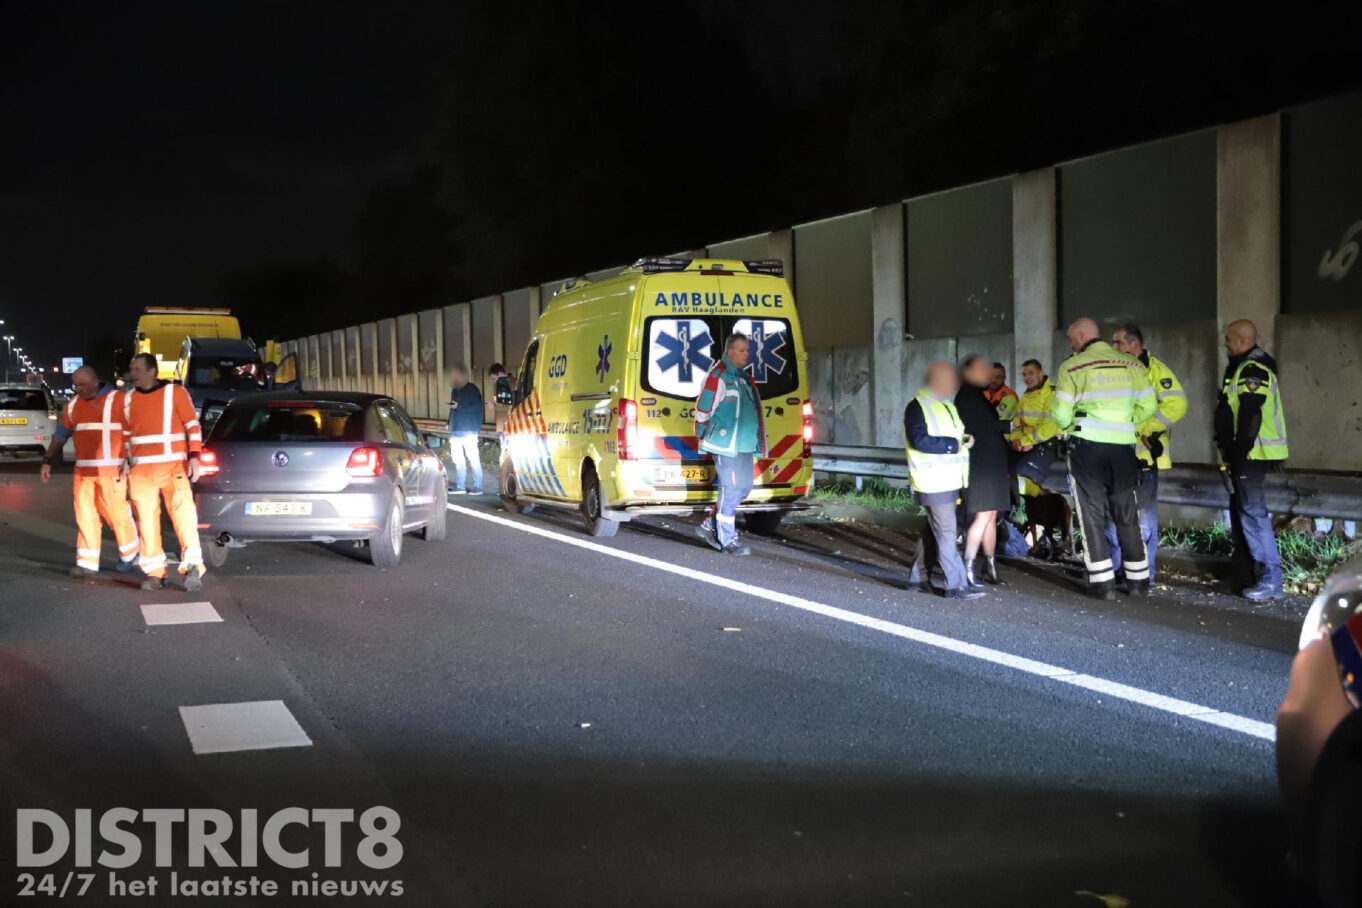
x=643 y=721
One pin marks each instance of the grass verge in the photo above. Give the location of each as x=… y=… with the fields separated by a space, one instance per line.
x=874 y=493
x=1307 y=558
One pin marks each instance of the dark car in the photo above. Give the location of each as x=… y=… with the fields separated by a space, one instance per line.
x=323 y=466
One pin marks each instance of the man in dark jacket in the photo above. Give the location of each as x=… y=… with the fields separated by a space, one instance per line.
x=1250 y=431
x=938 y=467
x=465 y=421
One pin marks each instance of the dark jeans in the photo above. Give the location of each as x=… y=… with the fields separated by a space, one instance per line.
x=1103 y=478
x=1147 y=497
x=1255 y=546
x=937 y=548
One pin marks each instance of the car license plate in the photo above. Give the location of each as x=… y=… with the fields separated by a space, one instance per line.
x=278 y=508
x=679 y=475
x=14 y=421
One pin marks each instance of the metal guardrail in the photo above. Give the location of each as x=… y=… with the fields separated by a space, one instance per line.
x=1293 y=493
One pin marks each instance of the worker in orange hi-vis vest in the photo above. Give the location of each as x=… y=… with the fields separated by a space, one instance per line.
x=100 y=491
x=164 y=440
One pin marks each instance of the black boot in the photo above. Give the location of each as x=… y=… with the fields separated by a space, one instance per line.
x=991 y=571
x=970 y=584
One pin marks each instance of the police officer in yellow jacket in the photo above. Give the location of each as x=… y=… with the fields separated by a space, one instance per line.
x=1034 y=428
x=1101 y=397
x=938 y=467
x=1250 y=431
x=1152 y=446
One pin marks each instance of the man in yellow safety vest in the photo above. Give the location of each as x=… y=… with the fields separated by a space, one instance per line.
x=938 y=467
x=1250 y=431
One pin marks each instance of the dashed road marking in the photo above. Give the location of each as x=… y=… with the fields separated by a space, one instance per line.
x=179 y=613
x=226 y=727
x=1183 y=708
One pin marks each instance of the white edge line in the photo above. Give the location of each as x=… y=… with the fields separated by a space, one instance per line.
x=1183 y=708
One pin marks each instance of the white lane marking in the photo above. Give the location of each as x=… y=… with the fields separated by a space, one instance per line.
x=1183 y=708
x=259 y=725
x=179 y=613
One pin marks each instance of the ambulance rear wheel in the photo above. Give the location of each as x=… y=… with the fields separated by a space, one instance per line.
x=215 y=553
x=764 y=523
x=596 y=524
x=510 y=489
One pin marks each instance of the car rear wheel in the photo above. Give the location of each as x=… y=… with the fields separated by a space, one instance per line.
x=764 y=523
x=596 y=524
x=510 y=489
x=436 y=529
x=215 y=553
x=385 y=549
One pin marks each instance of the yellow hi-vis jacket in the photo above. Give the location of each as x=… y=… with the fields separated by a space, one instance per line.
x=1034 y=424
x=1171 y=406
x=1102 y=395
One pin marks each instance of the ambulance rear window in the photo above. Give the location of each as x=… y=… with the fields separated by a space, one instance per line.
x=681 y=349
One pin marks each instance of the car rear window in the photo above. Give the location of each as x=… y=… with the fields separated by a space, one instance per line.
x=22 y=399
x=680 y=350
x=281 y=422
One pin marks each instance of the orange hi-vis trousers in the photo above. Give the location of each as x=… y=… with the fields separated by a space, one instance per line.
x=102 y=498
x=149 y=484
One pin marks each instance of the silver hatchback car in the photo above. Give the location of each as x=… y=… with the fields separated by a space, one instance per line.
x=322 y=466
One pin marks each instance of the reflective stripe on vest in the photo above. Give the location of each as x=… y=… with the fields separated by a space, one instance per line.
x=106 y=428
x=939 y=472
x=1271 y=443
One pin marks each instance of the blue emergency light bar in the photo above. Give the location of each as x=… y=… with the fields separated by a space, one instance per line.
x=774 y=267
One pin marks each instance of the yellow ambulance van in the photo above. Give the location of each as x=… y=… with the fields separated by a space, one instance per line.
x=603 y=418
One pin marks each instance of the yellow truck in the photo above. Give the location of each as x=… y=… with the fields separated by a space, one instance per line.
x=603 y=415
x=161 y=331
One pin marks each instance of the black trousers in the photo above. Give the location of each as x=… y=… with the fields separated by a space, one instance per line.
x=1103 y=479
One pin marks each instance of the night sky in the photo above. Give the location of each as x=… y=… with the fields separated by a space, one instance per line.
x=314 y=165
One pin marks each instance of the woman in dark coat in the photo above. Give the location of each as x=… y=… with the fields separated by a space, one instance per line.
x=989 y=478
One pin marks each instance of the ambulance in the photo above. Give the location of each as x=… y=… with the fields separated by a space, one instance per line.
x=603 y=414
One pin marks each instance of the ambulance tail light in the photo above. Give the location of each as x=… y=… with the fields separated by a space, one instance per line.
x=627 y=432
x=365 y=463
x=208 y=463
x=807 y=412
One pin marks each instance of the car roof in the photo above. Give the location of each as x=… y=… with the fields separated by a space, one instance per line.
x=222 y=345
x=337 y=397
x=20 y=386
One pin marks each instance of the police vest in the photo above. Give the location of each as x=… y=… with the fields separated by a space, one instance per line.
x=1171 y=407
x=939 y=472
x=1271 y=441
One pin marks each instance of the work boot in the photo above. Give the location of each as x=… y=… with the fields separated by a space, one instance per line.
x=1137 y=588
x=736 y=548
x=970 y=583
x=126 y=567
x=154 y=583
x=964 y=592
x=1262 y=591
x=991 y=571
x=1106 y=591
x=193 y=581
x=81 y=573
x=706 y=532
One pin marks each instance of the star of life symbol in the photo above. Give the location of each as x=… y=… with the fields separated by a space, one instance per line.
x=684 y=352
x=603 y=363
x=764 y=356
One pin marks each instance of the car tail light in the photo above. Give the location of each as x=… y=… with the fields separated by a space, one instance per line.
x=208 y=463
x=807 y=411
x=627 y=431
x=365 y=463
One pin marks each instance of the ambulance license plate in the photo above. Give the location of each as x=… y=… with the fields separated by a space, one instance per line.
x=679 y=475
x=14 y=421
x=278 y=508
